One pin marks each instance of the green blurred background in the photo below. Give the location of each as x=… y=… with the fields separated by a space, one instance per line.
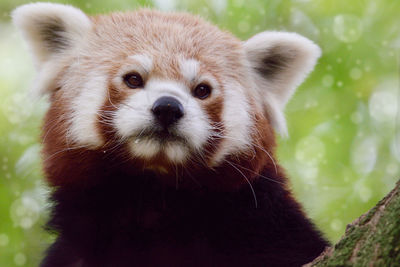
x=344 y=148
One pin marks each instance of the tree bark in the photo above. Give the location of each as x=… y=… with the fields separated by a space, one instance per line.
x=371 y=240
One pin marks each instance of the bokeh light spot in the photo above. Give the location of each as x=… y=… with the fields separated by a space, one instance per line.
x=395 y=147
x=328 y=80
x=19 y=259
x=365 y=193
x=392 y=168
x=347 y=28
x=219 y=6
x=25 y=212
x=309 y=174
x=166 y=5
x=4 y=240
x=356 y=117
x=336 y=225
x=355 y=73
x=310 y=150
x=383 y=106
x=238 y=3
x=300 y=22
x=364 y=155
x=28 y=161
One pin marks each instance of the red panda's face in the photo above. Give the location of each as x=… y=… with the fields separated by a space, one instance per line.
x=161 y=87
x=168 y=89
x=174 y=106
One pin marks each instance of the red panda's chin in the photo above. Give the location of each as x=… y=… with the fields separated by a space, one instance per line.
x=171 y=150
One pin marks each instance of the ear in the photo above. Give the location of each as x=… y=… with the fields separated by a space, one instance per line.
x=52 y=31
x=280 y=61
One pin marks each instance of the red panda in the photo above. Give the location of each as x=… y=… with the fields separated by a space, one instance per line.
x=159 y=140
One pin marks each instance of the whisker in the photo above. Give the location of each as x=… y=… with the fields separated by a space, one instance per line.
x=259 y=147
x=258 y=174
x=56 y=122
x=62 y=150
x=247 y=180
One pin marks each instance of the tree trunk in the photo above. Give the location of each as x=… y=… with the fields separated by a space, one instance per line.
x=371 y=240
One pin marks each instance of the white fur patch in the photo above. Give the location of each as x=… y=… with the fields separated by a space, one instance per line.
x=237 y=123
x=85 y=111
x=145 y=62
x=144 y=147
x=189 y=69
x=196 y=126
x=158 y=88
x=135 y=114
x=176 y=152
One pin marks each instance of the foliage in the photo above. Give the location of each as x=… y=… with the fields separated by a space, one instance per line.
x=344 y=148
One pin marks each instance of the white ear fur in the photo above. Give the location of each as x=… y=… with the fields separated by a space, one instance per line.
x=280 y=61
x=52 y=31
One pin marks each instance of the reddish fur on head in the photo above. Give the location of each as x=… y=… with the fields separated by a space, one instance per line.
x=96 y=124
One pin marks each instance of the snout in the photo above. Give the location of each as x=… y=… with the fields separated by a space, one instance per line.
x=167 y=111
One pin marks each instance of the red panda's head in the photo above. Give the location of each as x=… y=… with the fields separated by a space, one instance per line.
x=159 y=91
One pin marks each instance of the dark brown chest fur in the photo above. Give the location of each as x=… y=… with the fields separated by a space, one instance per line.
x=133 y=221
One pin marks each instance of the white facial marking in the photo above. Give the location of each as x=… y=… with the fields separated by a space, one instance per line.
x=237 y=122
x=195 y=126
x=158 y=88
x=85 y=108
x=189 y=69
x=145 y=61
x=145 y=147
x=135 y=115
x=176 y=152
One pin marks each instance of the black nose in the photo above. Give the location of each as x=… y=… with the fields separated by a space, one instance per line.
x=167 y=110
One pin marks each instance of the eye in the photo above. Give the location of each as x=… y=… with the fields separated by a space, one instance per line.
x=202 y=91
x=133 y=80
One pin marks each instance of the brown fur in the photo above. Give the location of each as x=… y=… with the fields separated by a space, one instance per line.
x=195 y=39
